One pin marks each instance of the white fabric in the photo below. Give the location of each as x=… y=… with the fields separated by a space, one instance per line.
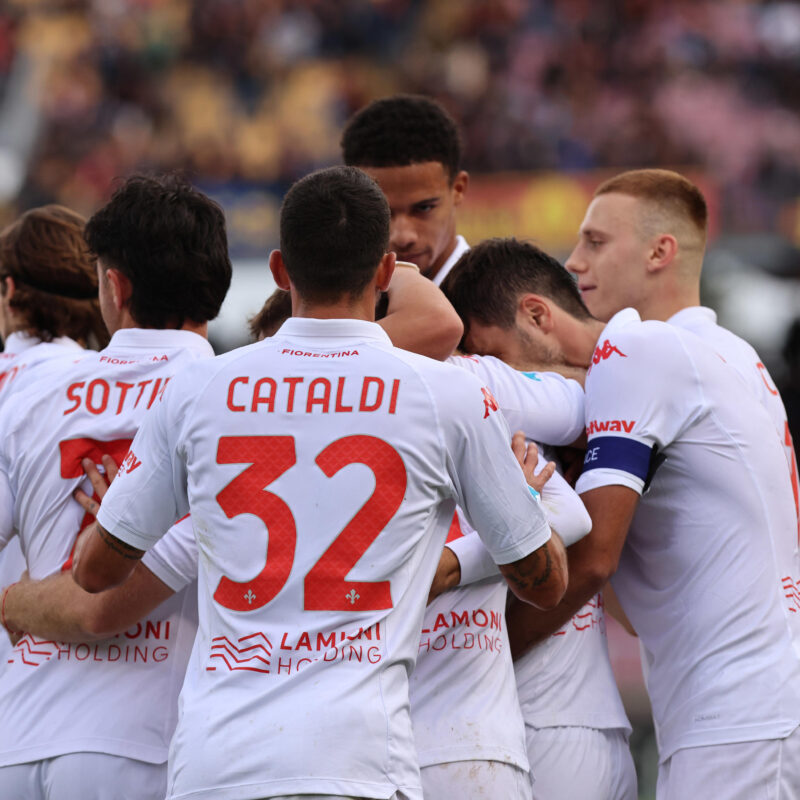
x=703 y=572
x=69 y=686
x=544 y=405
x=464 y=703
x=459 y=250
x=24 y=356
x=574 y=763
x=760 y=770
x=339 y=646
x=84 y=776
x=740 y=355
x=475 y=780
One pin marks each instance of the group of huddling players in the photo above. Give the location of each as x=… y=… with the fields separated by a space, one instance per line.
x=354 y=500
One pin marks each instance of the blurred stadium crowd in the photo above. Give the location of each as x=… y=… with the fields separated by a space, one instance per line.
x=258 y=90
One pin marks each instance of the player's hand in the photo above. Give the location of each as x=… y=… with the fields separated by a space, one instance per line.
x=100 y=484
x=528 y=457
x=448 y=574
x=15 y=636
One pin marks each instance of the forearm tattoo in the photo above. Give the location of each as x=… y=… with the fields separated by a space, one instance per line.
x=118 y=546
x=534 y=572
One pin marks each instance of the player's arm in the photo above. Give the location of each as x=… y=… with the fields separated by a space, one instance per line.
x=614 y=609
x=419 y=317
x=592 y=561
x=57 y=608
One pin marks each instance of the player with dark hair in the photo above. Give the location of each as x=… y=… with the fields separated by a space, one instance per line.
x=410 y=146
x=349 y=454
x=671 y=428
x=575 y=724
x=63 y=736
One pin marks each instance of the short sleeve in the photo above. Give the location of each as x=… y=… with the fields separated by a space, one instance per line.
x=149 y=493
x=489 y=485
x=545 y=406
x=641 y=392
x=173 y=559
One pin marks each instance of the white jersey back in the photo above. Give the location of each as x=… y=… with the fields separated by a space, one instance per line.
x=464 y=703
x=321 y=468
x=83 y=410
x=21 y=355
x=703 y=572
x=746 y=361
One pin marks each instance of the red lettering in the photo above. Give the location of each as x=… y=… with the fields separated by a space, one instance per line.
x=269 y=399
x=292 y=386
x=379 y=387
x=154 y=392
x=123 y=392
x=241 y=379
x=489 y=403
x=393 y=398
x=322 y=401
x=303 y=641
x=339 y=389
x=73 y=396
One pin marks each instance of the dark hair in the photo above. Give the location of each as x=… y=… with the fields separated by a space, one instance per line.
x=276 y=310
x=334 y=231
x=667 y=189
x=55 y=280
x=486 y=282
x=401 y=130
x=169 y=240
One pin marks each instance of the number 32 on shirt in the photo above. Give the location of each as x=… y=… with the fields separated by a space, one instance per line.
x=325 y=587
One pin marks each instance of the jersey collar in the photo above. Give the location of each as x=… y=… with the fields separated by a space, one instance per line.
x=327 y=329
x=687 y=317
x=460 y=249
x=18 y=342
x=138 y=338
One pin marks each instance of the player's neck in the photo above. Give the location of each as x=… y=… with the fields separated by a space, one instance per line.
x=665 y=304
x=437 y=265
x=127 y=321
x=580 y=340
x=347 y=307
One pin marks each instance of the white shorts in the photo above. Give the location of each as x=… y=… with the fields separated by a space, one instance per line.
x=575 y=763
x=84 y=776
x=768 y=769
x=475 y=780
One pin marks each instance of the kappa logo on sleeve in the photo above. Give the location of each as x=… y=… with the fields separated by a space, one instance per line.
x=605 y=351
x=489 y=403
x=129 y=463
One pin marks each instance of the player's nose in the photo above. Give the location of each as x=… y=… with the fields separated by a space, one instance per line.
x=575 y=264
x=402 y=233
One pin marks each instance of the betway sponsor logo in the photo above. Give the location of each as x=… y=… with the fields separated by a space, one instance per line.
x=598 y=426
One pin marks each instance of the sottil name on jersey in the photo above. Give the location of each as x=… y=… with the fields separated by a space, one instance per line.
x=99 y=396
x=342 y=395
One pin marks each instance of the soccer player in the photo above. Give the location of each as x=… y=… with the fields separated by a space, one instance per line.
x=363 y=449
x=641 y=244
x=693 y=514
x=410 y=146
x=97 y=720
x=467 y=724
x=576 y=728
x=48 y=309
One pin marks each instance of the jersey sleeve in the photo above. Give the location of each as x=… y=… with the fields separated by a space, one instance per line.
x=639 y=397
x=564 y=509
x=545 y=406
x=149 y=493
x=489 y=485
x=173 y=559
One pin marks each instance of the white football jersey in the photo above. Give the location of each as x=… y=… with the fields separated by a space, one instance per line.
x=745 y=360
x=81 y=410
x=321 y=468
x=21 y=355
x=704 y=571
x=464 y=703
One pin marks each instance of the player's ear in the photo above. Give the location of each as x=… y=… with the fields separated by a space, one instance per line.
x=460 y=184
x=534 y=312
x=278 y=270
x=662 y=253
x=383 y=276
x=121 y=287
x=7 y=288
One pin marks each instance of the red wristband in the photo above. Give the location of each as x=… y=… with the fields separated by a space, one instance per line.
x=3 y=608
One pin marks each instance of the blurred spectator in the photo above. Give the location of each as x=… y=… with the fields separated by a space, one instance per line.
x=257 y=90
